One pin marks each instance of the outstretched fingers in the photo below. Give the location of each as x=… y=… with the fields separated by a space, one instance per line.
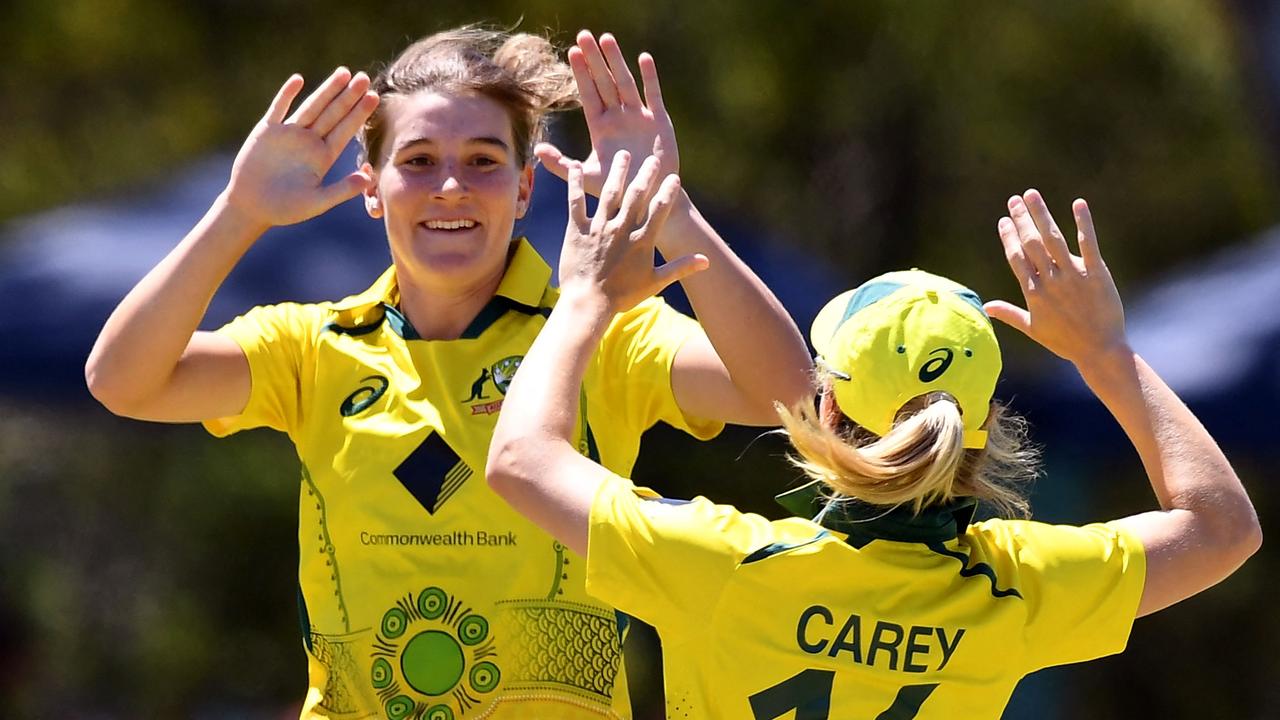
x=611 y=194
x=1054 y=242
x=1086 y=236
x=635 y=204
x=577 y=198
x=1022 y=268
x=314 y=105
x=628 y=93
x=351 y=123
x=337 y=109
x=652 y=88
x=1033 y=246
x=602 y=80
x=284 y=98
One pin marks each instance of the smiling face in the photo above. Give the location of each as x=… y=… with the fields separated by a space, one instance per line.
x=449 y=190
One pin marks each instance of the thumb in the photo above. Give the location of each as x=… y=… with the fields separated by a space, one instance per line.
x=344 y=189
x=1010 y=315
x=679 y=269
x=554 y=160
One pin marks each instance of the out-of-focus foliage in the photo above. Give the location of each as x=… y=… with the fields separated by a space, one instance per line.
x=874 y=133
x=149 y=571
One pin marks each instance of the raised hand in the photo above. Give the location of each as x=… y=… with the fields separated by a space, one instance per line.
x=278 y=175
x=611 y=255
x=617 y=117
x=1073 y=308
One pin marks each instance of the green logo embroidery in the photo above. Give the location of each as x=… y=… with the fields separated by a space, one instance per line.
x=364 y=396
x=933 y=369
x=504 y=370
x=433 y=657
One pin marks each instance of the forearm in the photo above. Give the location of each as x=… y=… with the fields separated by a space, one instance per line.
x=1187 y=469
x=751 y=331
x=144 y=338
x=532 y=463
x=542 y=412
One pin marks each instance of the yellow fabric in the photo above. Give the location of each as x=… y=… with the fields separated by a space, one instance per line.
x=421 y=587
x=752 y=634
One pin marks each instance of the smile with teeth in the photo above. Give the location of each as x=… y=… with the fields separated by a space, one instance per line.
x=449 y=224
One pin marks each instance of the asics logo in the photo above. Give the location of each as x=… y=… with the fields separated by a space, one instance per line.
x=933 y=369
x=364 y=396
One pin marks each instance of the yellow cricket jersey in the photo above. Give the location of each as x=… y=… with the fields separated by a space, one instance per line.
x=422 y=594
x=865 y=616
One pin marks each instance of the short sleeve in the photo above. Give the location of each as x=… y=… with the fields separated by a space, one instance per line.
x=276 y=340
x=636 y=356
x=663 y=561
x=1082 y=586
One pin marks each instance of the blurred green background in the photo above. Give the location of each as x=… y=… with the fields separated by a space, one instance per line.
x=148 y=571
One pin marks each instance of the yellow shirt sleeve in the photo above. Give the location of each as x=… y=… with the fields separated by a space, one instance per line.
x=276 y=340
x=663 y=561
x=1082 y=586
x=635 y=360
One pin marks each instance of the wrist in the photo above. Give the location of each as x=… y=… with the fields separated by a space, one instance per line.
x=1108 y=364
x=585 y=300
x=227 y=212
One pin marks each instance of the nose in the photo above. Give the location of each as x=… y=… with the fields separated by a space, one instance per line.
x=451 y=183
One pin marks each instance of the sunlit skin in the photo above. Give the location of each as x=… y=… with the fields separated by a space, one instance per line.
x=448 y=158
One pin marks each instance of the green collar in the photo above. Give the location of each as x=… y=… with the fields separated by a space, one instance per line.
x=525 y=286
x=864 y=523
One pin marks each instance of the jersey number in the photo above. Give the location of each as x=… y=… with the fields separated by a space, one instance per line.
x=809 y=694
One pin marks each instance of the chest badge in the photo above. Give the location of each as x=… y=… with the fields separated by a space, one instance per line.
x=499 y=375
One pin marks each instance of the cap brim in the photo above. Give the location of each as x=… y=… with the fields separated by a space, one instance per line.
x=828 y=321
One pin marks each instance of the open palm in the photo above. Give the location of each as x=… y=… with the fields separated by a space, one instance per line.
x=618 y=118
x=278 y=175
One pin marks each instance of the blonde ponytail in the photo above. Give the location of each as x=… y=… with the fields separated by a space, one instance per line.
x=921 y=461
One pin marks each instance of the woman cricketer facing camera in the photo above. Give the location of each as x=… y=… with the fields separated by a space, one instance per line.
x=422 y=594
x=891 y=602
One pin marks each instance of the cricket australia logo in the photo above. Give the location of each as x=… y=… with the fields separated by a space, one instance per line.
x=500 y=375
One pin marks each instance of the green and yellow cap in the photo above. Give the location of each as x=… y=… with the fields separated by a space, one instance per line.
x=902 y=335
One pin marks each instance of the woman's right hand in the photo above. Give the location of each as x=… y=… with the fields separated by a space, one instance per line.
x=1073 y=308
x=278 y=175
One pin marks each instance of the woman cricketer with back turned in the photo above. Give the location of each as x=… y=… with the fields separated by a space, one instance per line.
x=422 y=594
x=891 y=602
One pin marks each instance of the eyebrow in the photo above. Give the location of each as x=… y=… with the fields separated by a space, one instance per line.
x=490 y=140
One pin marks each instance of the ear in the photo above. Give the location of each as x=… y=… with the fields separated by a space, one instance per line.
x=524 y=192
x=828 y=411
x=372 y=194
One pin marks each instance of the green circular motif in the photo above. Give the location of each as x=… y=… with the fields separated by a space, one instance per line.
x=473 y=629
x=432 y=602
x=399 y=707
x=394 y=623
x=485 y=677
x=381 y=674
x=439 y=712
x=432 y=662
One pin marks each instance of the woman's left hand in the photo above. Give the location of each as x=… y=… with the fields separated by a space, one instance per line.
x=610 y=257
x=617 y=117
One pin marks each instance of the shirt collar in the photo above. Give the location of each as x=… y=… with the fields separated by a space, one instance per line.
x=524 y=281
x=864 y=523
